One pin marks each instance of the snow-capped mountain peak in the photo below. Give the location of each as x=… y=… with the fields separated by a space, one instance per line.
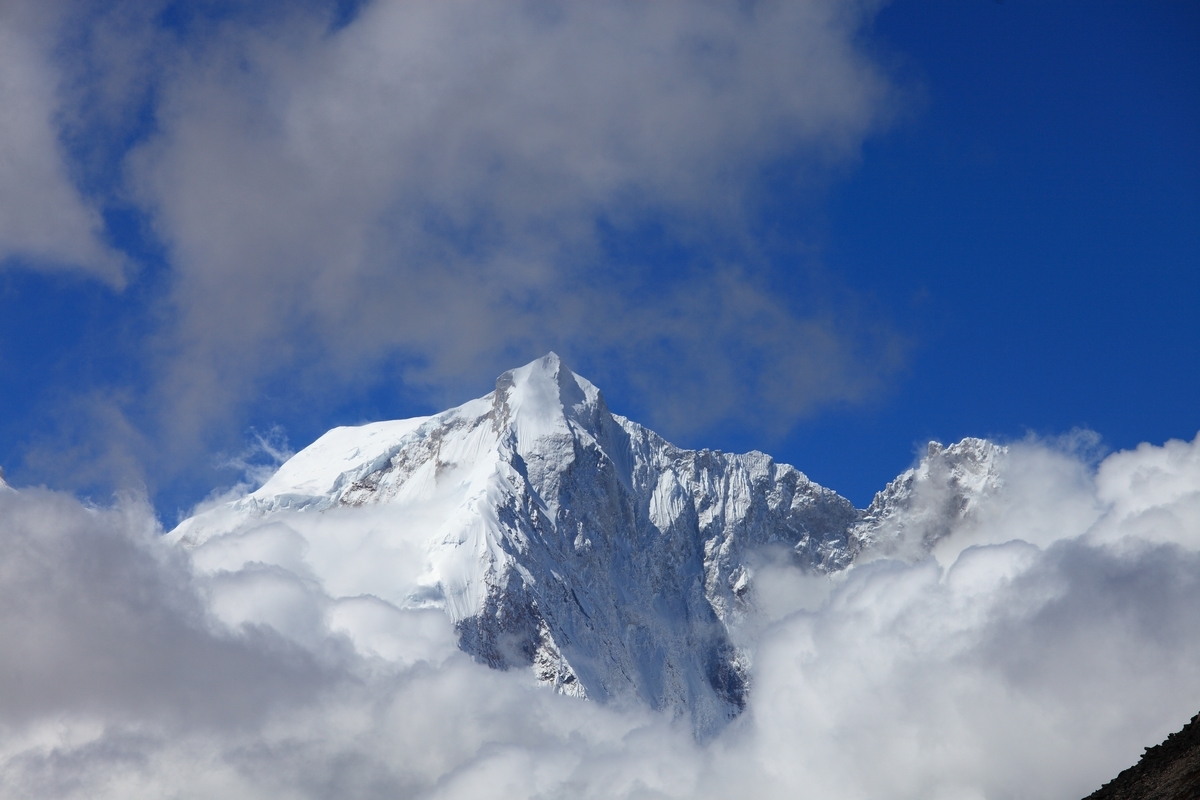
x=545 y=398
x=556 y=536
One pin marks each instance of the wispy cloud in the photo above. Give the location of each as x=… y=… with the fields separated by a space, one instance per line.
x=254 y=465
x=45 y=222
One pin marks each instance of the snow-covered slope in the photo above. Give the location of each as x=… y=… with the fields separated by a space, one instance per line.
x=564 y=538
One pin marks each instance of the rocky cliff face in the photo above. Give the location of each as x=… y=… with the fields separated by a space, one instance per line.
x=566 y=539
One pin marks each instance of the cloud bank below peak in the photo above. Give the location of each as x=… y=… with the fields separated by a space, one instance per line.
x=1037 y=670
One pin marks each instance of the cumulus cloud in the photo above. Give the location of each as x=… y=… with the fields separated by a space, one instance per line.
x=1018 y=666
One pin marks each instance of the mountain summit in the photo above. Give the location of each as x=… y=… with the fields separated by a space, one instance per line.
x=558 y=536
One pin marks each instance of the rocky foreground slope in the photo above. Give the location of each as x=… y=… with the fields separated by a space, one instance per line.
x=564 y=538
x=1167 y=771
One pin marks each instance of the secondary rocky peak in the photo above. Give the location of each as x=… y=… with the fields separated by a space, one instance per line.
x=923 y=503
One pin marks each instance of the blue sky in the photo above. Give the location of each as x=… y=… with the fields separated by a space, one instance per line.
x=829 y=234
x=1034 y=227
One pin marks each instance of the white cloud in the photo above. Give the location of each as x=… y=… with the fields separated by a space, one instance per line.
x=1154 y=493
x=1020 y=669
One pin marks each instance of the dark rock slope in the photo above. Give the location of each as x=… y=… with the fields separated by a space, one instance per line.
x=1167 y=771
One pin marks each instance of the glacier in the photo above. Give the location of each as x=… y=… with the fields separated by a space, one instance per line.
x=565 y=539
